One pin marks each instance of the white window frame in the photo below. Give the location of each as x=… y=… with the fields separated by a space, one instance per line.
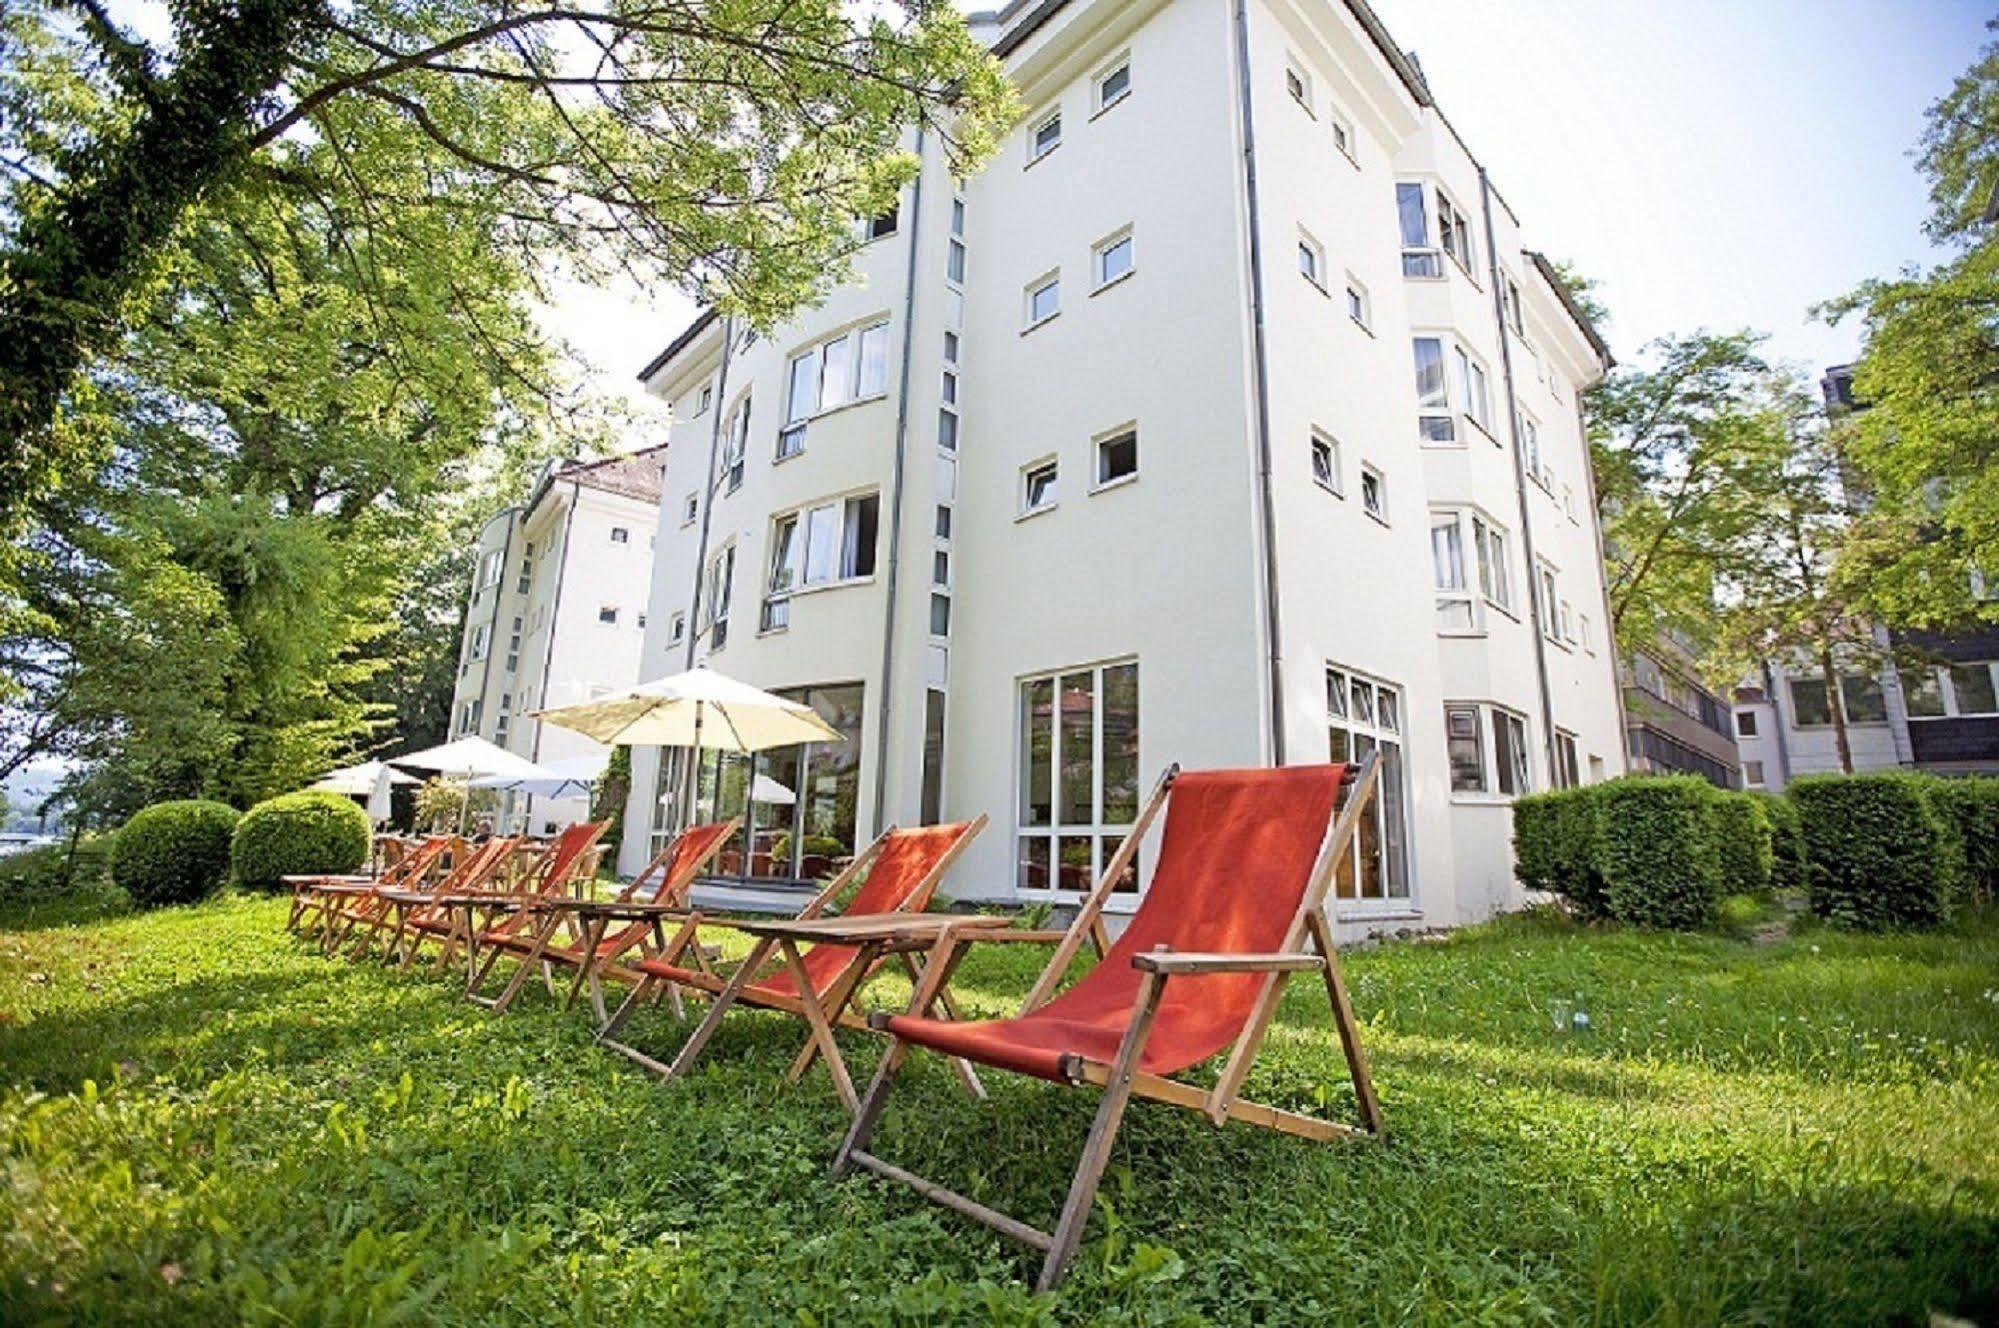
x=1309 y=249
x=1050 y=466
x=1036 y=149
x=1334 y=481
x=1377 y=507
x=1098 y=483
x=1360 y=305
x=1105 y=835
x=1547 y=582
x=1343 y=134
x=808 y=573
x=1051 y=279
x=1484 y=571
x=853 y=386
x=690 y=509
x=721 y=575
x=1568 y=760
x=621 y=535
x=1121 y=62
x=482 y=641
x=1493 y=776
x=491 y=565
x=1422 y=260
x=1440 y=409
x=1102 y=250
x=735 y=445
x=1375 y=725
x=607 y=615
x=1298 y=85
x=676 y=628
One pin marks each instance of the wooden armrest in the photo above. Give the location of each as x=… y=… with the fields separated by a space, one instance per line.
x=1168 y=962
x=984 y=935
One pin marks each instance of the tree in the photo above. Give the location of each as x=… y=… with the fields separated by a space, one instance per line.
x=1781 y=597
x=727 y=147
x=1679 y=454
x=1925 y=452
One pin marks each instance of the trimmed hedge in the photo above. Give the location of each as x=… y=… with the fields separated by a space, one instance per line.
x=1974 y=804
x=1881 y=850
x=1787 y=841
x=173 y=852
x=1556 y=843
x=1744 y=843
x=1660 y=862
x=298 y=833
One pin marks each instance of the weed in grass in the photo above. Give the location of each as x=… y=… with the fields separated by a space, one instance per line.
x=203 y=1120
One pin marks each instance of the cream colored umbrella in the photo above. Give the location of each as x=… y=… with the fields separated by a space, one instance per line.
x=699 y=709
x=358 y=781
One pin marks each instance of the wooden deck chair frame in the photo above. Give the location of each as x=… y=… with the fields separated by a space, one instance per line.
x=1308 y=947
x=585 y=934
x=407 y=933
x=345 y=907
x=544 y=879
x=724 y=994
x=312 y=898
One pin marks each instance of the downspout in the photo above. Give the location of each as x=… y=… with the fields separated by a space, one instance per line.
x=1777 y=714
x=1540 y=610
x=1260 y=388
x=554 y=616
x=683 y=805
x=895 y=500
x=499 y=595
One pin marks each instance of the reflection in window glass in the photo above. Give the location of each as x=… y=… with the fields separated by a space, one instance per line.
x=1864 y=702
x=1079 y=747
x=1079 y=776
x=1363 y=716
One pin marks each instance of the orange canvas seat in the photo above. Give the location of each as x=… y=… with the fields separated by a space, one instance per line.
x=1235 y=905
x=421 y=916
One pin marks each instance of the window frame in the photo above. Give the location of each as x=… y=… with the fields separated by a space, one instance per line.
x=1360 y=304
x=795 y=532
x=1119 y=63
x=1375 y=506
x=1378 y=727
x=1050 y=280
x=1098 y=483
x=1105 y=835
x=1334 y=481
x=1312 y=251
x=1036 y=150
x=1052 y=467
x=854 y=341
x=1102 y=249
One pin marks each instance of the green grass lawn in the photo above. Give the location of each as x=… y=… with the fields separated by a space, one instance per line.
x=203 y=1120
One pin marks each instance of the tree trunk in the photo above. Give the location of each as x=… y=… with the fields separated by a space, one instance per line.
x=75 y=264
x=1833 y=705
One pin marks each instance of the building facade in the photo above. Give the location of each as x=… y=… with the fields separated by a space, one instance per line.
x=1224 y=419
x=557 y=613
x=1673 y=724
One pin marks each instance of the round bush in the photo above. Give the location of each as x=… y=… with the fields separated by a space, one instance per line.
x=299 y=834
x=173 y=852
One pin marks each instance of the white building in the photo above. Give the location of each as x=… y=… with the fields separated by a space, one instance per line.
x=1224 y=419
x=557 y=613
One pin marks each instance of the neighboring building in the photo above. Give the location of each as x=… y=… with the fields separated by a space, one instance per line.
x=1142 y=447
x=1939 y=715
x=557 y=613
x=1672 y=723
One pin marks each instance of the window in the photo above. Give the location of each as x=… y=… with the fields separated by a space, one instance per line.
x=607 y=613
x=1454 y=232
x=950 y=348
x=940 y=614
x=721 y=573
x=948 y=390
x=1473 y=395
x=676 y=629
x=1509 y=752
x=1113 y=259
x=1567 y=618
x=620 y=535
x=1435 y=422
x=1044 y=299
x=958 y=217
x=879 y=227
x=1299 y=84
x=481 y=640
x=1509 y=301
x=1343 y=138
x=690 y=508
x=1114 y=85
x=1546 y=608
x=1037 y=487
x=1569 y=501
x=642 y=622
x=1752 y=773
x=940 y=568
x=1419 y=256
x=954 y=262
x=1117 y=457
x=947 y=428
x=1530 y=452
x=1745 y=723
x=1312 y=260
x=735 y=445
x=824 y=544
x=1078 y=776
x=1359 y=307
x=1971 y=687
x=1373 y=493
x=1495 y=582
x=931 y=811
x=943 y=521
x=489 y=571
x=1582 y=633
x=1326 y=464
x=1449 y=532
x=526 y=578
x=1464 y=741
x=1568 y=772
x=1922 y=694
x=850 y=367
x=1864 y=701
x=1044 y=138
x=1364 y=715
x=1810 y=706
x=707 y=398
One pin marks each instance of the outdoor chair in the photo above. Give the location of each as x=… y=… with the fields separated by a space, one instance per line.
x=426 y=915
x=897 y=874
x=575 y=933
x=1235 y=906
x=490 y=917
x=314 y=894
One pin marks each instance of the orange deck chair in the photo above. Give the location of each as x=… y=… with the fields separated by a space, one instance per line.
x=1236 y=905
x=427 y=915
x=315 y=894
x=345 y=906
x=575 y=933
x=510 y=918
x=903 y=868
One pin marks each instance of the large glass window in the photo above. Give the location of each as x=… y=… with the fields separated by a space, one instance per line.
x=1435 y=423
x=1971 y=685
x=1864 y=702
x=1447 y=556
x=1078 y=776
x=735 y=445
x=932 y=810
x=822 y=545
x=721 y=575
x=849 y=367
x=1465 y=743
x=1810 y=706
x=1365 y=715
x=1419 y=256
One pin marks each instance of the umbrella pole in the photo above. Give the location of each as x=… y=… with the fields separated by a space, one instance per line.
x=689 y=773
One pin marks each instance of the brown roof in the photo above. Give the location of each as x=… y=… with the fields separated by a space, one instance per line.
x=635 y=474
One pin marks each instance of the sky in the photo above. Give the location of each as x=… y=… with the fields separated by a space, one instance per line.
x=1712 y=163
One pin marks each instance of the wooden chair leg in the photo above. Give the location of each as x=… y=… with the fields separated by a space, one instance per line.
x=1103 y=1132
x=690 y=1051
x=627 y=1010
x=1349 y=1029
x=871 y=1106
x=822 y=1031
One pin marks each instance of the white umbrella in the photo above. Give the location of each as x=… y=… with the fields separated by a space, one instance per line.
x=700 y=709
x=380 y=798
x=468 y=758
x=358 y=781
x=575 y=774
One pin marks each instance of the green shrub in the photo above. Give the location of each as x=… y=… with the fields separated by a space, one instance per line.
x=52 y=870
x=173 y=852
x=1658 y=856
x=1743 y=843
x=1556 y=843
x=1881 y=850
x=1787 y=841
x=299 y=833
x=1973 y=803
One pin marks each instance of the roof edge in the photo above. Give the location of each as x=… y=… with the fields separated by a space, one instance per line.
x=1575 y=310
x=679 y=343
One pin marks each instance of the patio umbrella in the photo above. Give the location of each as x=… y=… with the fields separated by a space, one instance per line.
x=358 y=781
x=466 y=759
x=575 y=774
x=763 y=789
x=381 y=798
x=699 y=709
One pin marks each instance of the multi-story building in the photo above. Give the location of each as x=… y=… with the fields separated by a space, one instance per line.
x=557 y=613
x=1223 y=419
x=1938 y=711
x=1673 y=724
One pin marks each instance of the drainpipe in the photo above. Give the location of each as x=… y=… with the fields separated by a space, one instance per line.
x=554 y=616
x=1260 y=387
x=721 y=408
x=1777 y=715
x=493 y=633
x=1542 y=612
x=895 y=500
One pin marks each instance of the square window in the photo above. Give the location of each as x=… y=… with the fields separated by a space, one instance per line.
x=1117 y=457
x=620 y=535
x=1045 y=138
x=1752 y=773
x=1044 y=300
x=1359 y=308
x=1745 y=723
x=690 y=508
x=607 y=613
x=1343 y=137
x=943 y=521
x=1114 y=86
x=1311 y=260
x=1114 y=260
x=1326 y=464
x=1374 y=493
x=1299 y=85
x=1037 y=487
x=879 y=227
